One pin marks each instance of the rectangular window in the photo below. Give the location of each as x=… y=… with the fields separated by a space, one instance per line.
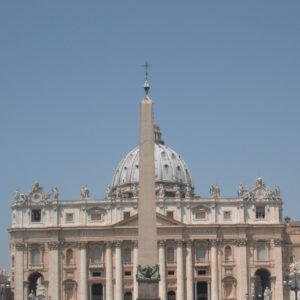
x=202 y=272
x=227 y=215
x=171 y=273
x=200 y=252
x=127 y=273
x=96 y=274
x=200 y=215
x=260 y=212
x=35 y=256
x=170 y=255
x=261 y=251
x=170 y=214
x=69 y=217
x=96 y=216
x=36 y=215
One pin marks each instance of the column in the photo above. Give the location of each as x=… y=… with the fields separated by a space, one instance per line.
x=90 y=291
x=214 y=271
x=119 y=270
x=19 y=271
x=103 y=291
x=162 y=270
x=83 y=272
x=243 y=268
x=179 y=275
x=26 y=287
x=108 y=271
x=54 y=278
x=209 y=290
x=135 y=265
x=189 y=271
x=278 y=270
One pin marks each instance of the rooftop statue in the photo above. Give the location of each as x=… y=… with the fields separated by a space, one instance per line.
x=36 y=187
x=241 y=190
x=55 y=193
x=85 y=192
x=214 y=191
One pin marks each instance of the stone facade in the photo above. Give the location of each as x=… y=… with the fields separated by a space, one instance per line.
x=211 y=248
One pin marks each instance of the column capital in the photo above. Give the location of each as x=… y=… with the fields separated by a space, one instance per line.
x=277 y=242
x=179 y=243
x=189 y=243
x=118 y=244
x=161 y=243
x=241 y=242
x=53 y=245
x=214 y=243
x=108 y=245
x=20 y=246
x=82 y=245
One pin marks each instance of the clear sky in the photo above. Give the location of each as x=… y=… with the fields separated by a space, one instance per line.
x=225 y=81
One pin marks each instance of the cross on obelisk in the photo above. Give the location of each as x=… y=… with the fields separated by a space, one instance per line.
x=148 y=271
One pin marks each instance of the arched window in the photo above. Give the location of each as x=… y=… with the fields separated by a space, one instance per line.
x=128 y=296
x=127 y=256
x=261 y=251
x=170 y=255
x=96 y=254
x=200 y=252
x=35 y=256
x=228 y=253
x=69 y=257
x=171 y=295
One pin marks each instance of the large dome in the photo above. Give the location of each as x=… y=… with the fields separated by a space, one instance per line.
x=170 y=169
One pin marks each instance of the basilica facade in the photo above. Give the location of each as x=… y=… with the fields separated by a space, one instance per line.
x=209 y=248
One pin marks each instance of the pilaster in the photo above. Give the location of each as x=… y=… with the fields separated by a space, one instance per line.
x=118 y=271
x=19 y=275
x=179 y=275
x=214 y=270
x=277 y=247
x=162 y=269
x=83 y=271
x=108 y=271
x=189 y=271
x=54 y=274
x=135 y=265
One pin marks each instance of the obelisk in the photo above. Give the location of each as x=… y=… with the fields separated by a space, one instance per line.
x=148 y=271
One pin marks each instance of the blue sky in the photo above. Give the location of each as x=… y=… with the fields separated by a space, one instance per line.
x=224 y=79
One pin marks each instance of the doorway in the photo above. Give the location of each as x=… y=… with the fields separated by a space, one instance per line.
x=97 y=291
x=171 y=295
x=33 y=279
x=261 y=281
x=202 y=290
x=128 y=296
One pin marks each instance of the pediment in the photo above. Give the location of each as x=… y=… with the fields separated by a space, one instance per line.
x=201 y=206
x=161 y=220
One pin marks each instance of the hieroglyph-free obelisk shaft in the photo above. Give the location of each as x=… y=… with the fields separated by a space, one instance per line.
x=147 y=231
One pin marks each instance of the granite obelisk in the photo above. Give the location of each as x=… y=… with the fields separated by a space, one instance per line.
x=148 y=271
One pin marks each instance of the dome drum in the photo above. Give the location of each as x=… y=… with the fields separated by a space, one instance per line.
x=172 y=176
x=162 y=190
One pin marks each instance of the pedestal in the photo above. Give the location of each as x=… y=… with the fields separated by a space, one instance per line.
x=148 y=291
